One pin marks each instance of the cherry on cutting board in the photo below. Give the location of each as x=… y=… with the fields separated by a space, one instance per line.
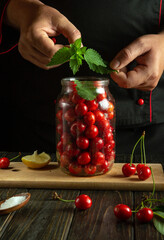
x=144 y=173
x=5 y=162
x=128 y=169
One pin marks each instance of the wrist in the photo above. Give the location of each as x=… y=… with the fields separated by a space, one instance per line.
x=17 y=10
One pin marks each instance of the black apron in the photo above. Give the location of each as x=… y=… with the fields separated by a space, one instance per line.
x=29 y=92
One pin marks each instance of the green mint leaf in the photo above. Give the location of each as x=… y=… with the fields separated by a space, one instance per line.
x=159 y=223
x=77 y=44
x=86 y=90
x=74 y=65
x=82 y=50
x=100 y=69
x=61 y=56
x=92 y=56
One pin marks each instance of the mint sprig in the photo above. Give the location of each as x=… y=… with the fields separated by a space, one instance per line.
x=76 y=54
x=86 y=89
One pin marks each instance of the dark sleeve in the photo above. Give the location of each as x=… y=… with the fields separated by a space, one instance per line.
x=8 y=35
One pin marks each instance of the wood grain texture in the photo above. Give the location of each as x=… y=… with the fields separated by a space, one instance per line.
x=99 y=221
x=51 y=176
x=146 y=231
x=42 y=218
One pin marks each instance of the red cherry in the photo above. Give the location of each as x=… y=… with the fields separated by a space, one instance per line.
x=77 y=128
x=60 y=147
x=108 y=147
x=96 y=144
x=144 y=173
x=83 y=202
x=82 y=142
x=65 y=160
x=110 y=107
x=108 y=136
x=104 y=167
x=70 y=149
x=91 y=131
x=98 y=158
x=145 y=215
x=64 y=103
x=101 y=96
x=99 y=116
x=54 y=40
x=90 y=169
x=92 y=105
x=89 y=118
x=111 y=156
x=76 y=98
x=81 y=109
x=59 y=128
x=75 y=168
x=110 y=115
x=122 y=211
x=4 y=162
x=70 y=115
x=59 y=115
x=104 y=125
x=128 y=169
x=84 y=158
x=139 y=166
x=65 y=138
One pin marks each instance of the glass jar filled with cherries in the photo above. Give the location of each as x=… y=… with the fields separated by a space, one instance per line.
x=85 y=126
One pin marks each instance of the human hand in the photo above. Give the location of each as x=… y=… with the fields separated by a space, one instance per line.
x=37 y=23
x=148 y=52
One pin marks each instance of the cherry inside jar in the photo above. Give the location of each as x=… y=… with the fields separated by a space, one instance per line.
x=85 y=126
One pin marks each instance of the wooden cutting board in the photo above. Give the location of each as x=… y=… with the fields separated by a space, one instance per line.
x=20 y=176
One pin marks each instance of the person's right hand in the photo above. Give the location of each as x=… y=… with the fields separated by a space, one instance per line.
x=37 y=23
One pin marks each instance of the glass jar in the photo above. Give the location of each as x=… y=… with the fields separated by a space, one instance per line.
x=85 y=126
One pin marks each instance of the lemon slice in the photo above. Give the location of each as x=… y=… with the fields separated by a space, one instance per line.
x=36 y=160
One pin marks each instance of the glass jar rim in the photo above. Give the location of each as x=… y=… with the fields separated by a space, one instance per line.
x=102 y=80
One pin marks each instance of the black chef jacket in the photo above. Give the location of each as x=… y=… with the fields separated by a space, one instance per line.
x=28 y=92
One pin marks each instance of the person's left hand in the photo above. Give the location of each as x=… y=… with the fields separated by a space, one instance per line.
x=148 y=52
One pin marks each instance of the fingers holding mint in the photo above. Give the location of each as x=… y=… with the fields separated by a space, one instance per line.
x=75 y=54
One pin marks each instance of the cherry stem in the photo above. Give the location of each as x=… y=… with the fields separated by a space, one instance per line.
x=153 y=182
x=15 y=157
x=57 y=197
x=143 y=145
x=131 y=159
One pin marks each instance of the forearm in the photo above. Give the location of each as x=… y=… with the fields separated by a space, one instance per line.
x=17 y=11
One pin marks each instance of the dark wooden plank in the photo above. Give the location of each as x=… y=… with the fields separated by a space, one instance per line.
x=99 y=221
x=6 y=219
x=146 y=231
x=42 y=217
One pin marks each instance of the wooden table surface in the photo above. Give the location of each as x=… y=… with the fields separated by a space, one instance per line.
x=45 y=218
